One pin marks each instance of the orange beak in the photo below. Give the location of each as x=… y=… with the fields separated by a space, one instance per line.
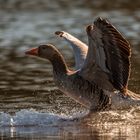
x=33 y=51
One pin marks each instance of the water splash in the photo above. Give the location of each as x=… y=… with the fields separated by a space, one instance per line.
x=28 y=118
x=28 y=123
x=34 y=118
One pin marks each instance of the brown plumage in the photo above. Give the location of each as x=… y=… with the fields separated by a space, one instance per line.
x=101 y=81
x=111 y=53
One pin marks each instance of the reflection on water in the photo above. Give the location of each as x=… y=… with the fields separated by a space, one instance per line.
x=32 y=124
x=105 y=125
x=29 y=99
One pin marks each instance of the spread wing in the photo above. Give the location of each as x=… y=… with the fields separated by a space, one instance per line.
x=80 y=49
x=108 y=57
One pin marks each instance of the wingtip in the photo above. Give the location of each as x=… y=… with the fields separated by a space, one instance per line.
x=59 y=33
x=100 y=20
x=89 y=28
x=97 y=21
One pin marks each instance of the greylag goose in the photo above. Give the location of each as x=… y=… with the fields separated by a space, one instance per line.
x=80 y=49
x=101 y=83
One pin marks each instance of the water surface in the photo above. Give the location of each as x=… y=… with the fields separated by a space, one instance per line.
x=31 y=106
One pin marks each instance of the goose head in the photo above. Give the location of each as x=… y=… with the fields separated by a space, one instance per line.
x=47 y=51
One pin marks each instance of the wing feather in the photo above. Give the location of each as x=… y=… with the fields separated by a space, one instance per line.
x=109 y=51
x=80 y=49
